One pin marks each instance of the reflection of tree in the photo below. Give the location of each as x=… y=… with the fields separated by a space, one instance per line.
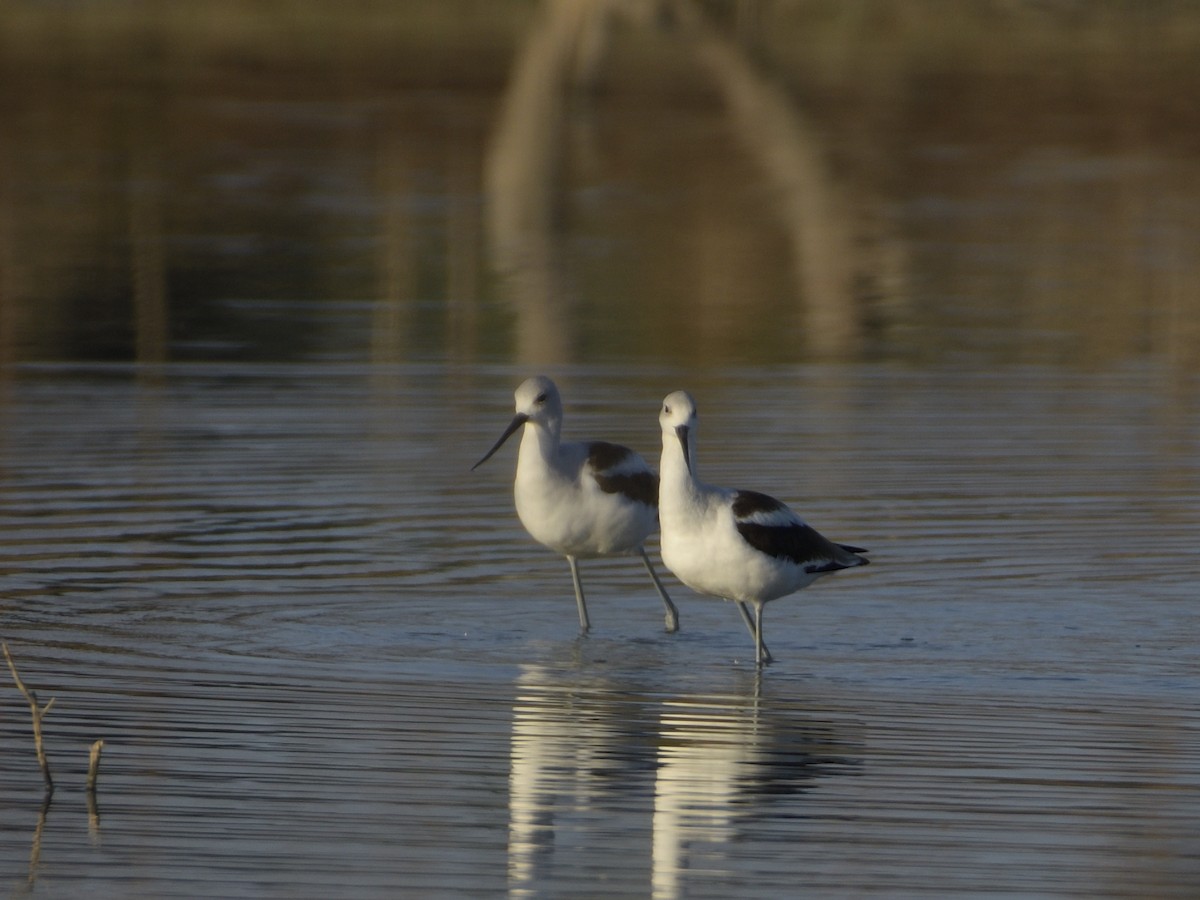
x=148 y=266
x=525 y=173
x=809 y=201
x=1039 y=189
x=582 y=745
x=407 y=229
x=525 y=180
x=391 y=313
x=10 y=286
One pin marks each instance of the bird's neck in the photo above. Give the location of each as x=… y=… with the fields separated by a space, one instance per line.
x=677 y=482
x=539 y=446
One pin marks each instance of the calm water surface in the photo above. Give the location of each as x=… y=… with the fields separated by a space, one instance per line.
x=268 y=278
x=326 y=661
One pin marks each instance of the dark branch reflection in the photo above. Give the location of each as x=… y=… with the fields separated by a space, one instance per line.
x=599 y=180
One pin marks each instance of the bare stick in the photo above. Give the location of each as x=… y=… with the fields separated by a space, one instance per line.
x=37 y=711
x=94 y=765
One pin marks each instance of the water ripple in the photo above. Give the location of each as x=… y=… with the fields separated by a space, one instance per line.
x=326 y=660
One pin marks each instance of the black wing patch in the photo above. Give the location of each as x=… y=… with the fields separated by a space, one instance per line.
x=800 y=544
x=603 y=456
x=637 y=483
x=747 y=503
x=791 y=540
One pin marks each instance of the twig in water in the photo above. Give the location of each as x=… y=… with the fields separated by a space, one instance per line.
x=94 y=765
x=38 y=712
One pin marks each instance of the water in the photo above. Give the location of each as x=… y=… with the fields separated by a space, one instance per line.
x=267 y=282
x=326 y=661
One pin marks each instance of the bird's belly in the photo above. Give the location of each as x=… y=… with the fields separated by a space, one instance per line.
x=723 y=565
x=585 y=526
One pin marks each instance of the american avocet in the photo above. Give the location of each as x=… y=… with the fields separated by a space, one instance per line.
x=582 y=500
x=740 y=545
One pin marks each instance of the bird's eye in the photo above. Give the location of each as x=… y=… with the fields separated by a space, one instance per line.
x=667 y=409
x=540 y=398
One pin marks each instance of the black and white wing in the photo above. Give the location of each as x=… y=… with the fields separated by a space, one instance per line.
x=770 y=527
x=619 y=470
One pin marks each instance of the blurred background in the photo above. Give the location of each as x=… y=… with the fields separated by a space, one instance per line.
x=945 y=182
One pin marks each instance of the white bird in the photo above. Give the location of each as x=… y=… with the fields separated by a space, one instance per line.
x=583 y=500
x=739 y=545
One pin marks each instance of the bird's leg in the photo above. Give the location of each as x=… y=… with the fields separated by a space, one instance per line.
x=741 y=607
x=753 y=630
x=760 y=649
x=584 y=624
x=672 y=614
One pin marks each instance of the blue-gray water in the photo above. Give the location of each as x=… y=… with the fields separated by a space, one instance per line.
x=268 y=277
x=327 y=662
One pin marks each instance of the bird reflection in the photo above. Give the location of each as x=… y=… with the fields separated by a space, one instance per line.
x=721 y=762
x=577 y=744
x=594 y=757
